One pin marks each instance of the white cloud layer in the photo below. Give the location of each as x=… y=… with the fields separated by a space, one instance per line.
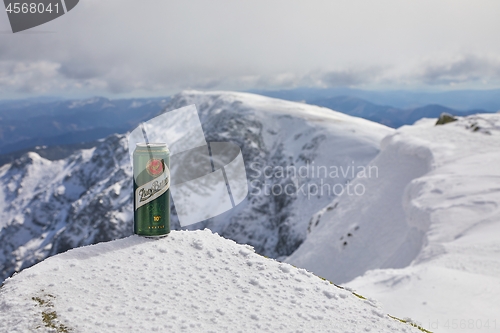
x=120 y=47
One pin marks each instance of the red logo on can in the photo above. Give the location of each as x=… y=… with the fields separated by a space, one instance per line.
x=154 y=167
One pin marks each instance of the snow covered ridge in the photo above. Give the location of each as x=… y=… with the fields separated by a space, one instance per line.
x=48 y=207
x=277 y=133
x=190 y=281
x=425 y=239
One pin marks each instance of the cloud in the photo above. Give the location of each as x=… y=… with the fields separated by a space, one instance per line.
x=49 y=77
x=351 y=77
x=28 y=77
x=116 y=47
x=463 y=68
x=79 y=72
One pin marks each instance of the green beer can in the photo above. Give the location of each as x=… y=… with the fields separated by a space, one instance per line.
x=151 y=190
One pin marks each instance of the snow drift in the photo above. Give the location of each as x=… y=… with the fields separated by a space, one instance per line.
x=426 y=235
x=190 y=281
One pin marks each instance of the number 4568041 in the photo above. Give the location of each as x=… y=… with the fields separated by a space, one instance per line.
x=32 y=8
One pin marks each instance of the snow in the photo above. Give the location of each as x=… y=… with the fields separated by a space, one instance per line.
x=348 y=232
x=425 y=238
x=190 y=281
x=24 y=179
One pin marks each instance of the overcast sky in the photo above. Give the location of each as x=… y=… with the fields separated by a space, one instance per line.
x=120 y=48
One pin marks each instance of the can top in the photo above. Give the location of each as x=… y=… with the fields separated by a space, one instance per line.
x=151 y=145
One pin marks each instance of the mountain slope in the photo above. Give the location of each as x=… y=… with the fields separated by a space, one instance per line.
x=277 y=135
x=47 y=207
x=186 y=282
x=424 y=237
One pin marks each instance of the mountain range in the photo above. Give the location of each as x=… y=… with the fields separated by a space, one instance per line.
x=47 y=207
x=460 y=100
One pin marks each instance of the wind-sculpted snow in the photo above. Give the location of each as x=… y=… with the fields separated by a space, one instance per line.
x=190 y=281
x=434 y=215
x=49 y=207
x=357 y=233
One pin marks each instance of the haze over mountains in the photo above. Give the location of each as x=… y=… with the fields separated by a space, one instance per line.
x=395 y=108
x=27 y=124
x=461 y=100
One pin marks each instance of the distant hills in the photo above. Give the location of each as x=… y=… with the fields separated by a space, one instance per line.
x=387 y=115
x=55 y=128
x=457 y=99
x=28 y=124
x=394 y=108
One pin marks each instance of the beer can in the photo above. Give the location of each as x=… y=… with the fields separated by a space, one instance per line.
x=151 y=189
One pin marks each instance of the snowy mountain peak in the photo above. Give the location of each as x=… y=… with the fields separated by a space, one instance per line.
x=221 y=100
x=188 y=281
x=277 y=135
x=29 y=158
